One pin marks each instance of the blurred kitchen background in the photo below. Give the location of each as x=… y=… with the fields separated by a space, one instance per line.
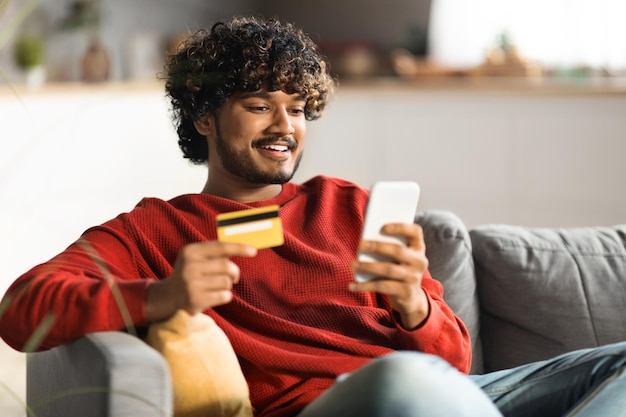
x=505 y=111
x=135 y=34
x=127 y=39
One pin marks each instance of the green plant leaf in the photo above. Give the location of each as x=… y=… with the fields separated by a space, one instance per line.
x=29 y=411
x=34 y=341
x=28 y=51
x=4 y=304
x=115 y=290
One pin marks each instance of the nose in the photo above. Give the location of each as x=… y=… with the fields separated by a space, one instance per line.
x=281 y=123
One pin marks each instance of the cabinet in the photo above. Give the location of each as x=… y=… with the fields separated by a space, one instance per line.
x=511 y=152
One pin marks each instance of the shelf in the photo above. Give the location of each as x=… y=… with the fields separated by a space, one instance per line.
x=77 y=87
x=492 y=85
x=455 y=85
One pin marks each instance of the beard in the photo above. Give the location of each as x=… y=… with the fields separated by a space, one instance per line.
x=241 y=164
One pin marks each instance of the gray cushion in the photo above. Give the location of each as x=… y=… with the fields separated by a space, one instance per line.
x=547 y=291
x=449 y=252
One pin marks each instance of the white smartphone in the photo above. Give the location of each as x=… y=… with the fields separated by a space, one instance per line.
x=389 y=202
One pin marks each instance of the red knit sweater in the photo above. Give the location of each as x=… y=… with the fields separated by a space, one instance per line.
x=292 y=322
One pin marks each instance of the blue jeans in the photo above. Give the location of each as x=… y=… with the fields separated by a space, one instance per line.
x=583 y=383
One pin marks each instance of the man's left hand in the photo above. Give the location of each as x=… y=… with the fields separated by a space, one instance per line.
x=400 y=279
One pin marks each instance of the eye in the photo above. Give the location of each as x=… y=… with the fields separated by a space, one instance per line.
x=258 y=108
x=296 y=111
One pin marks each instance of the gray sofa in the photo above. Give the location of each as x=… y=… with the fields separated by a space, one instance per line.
x=525 y=294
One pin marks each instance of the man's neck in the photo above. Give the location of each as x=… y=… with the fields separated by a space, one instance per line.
x=243 y=193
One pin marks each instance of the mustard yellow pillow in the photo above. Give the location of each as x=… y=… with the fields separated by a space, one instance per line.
x=206 y=376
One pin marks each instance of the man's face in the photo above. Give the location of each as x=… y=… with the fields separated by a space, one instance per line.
x=259 y=136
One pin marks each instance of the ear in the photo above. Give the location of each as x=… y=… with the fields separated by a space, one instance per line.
x=204 y=125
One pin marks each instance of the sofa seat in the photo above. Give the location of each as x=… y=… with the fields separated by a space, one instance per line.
x=528 y=294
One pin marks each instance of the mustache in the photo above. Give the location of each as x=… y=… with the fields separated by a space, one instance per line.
x=288 y=140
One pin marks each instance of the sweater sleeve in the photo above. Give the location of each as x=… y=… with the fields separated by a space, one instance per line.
x=92 y=286
x=442 y=334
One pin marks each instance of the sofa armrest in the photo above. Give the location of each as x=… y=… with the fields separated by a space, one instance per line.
x=449 y=251
x=101 y=374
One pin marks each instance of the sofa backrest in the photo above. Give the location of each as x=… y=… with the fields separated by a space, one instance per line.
x=548 y=291
x=449 y=251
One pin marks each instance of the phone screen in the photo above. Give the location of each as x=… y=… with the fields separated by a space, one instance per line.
x=389 y=202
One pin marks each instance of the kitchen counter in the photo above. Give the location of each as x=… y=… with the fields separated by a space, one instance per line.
x=456 y=85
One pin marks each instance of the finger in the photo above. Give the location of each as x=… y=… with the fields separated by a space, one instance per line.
x=412 y=232
x=208 y=300
x=204 y=269
x=391 y=288
x=397 y=253
x=206 y=293
x=214 y=282
x=216 y=249
x=387 y=270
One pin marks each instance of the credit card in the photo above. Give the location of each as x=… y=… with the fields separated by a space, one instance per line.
x=260 y=227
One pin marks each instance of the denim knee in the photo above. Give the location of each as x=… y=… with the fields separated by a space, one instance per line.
x=419 y=384
x=406 y=369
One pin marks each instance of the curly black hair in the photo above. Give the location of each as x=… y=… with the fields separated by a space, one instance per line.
x=243 y=54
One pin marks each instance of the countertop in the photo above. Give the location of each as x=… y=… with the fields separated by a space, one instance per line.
x=456 y=85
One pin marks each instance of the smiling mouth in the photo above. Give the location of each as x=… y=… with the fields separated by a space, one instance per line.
x=275 y=148
x=283 y=144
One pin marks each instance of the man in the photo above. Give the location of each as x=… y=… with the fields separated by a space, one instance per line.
x=310 y=341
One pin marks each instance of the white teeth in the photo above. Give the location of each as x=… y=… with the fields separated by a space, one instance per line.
x=279 y=148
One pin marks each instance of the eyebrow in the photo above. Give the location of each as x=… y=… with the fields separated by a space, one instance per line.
x=255 y=94
x=264 y=94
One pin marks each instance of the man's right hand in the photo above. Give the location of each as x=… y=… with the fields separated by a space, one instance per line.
x=202 y=278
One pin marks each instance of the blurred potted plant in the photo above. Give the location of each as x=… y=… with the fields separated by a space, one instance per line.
x=12 y=16
x=28 y=53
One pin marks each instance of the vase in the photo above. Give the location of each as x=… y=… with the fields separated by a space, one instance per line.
x=95 y=65
x=35 y=77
